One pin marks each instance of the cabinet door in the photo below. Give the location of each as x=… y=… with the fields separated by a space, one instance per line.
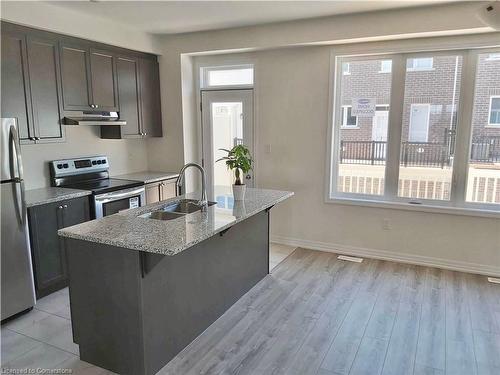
x=152 y=192
x=45 y=86
x=47 y=248
x=75 y=211
x=16 y=100
x=168 y=189
x=102 y=68
x=75 y=73
x=150 y=98
x=128 y=95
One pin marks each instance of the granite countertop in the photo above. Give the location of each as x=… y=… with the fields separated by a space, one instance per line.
x=129 y=230
x=41 y=196
x=148 y=176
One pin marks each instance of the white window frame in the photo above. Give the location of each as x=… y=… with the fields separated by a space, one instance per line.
x=344 y=125
x=413 y=68
x=492 y=124
x=457 y=205
x=205 y=71
x=428 y=120
x=382 y=70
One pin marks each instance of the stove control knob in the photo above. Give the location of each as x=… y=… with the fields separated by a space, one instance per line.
x=59 y=166
x=65 y=165
x=94 y=162
x=103 y=161
x=99 y=162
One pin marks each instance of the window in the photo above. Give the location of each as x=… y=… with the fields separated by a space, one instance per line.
x=421 y=63
x=346 y=69
x=493 y=57
x=494 y=111
x=347 y=119
x=385 y=66
x=483 y=172
x=221 y=76
x=427 y=163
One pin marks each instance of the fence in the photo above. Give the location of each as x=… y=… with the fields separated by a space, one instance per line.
x=419 y=154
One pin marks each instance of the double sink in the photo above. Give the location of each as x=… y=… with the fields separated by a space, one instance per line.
x=176 y=209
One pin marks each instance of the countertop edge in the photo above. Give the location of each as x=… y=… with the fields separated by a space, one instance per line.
x=69 y=195
x=174 y=251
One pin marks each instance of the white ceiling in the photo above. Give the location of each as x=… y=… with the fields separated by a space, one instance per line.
x=170 y=17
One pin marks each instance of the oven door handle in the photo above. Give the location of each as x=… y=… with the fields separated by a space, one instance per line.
x=112 y=196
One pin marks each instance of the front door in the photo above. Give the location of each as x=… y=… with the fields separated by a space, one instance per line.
x=227 y=120
x=379 y=126
x=419 y=123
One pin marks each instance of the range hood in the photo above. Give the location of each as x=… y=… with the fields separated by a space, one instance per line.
x=94 y=118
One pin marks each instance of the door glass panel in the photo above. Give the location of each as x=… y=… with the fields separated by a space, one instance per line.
x=483 y=184
x=363 y=122
x=432 y=88
x=227 y=125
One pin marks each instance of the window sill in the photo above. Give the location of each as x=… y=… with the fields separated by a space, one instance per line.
x=349 y=127
x=465 y=211
x=420 y=69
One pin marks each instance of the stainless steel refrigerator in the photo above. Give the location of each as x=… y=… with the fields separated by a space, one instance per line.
x=18 y=293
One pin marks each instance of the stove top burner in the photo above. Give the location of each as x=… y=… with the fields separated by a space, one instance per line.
x=105 y=185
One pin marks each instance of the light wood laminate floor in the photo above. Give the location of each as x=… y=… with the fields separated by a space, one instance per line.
x=313 y=314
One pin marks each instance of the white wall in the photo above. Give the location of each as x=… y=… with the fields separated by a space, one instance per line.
x=124 y=155
x=50 y=17
x=292 y=116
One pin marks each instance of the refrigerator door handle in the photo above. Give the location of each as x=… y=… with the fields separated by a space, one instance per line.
x=14 y=136
x=20 y=194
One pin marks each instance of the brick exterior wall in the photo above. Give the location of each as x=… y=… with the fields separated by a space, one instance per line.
x=436 y=87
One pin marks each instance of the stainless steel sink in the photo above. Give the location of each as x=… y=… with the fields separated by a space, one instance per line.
x=163 y=215
x=175 y=210
x=185 y=206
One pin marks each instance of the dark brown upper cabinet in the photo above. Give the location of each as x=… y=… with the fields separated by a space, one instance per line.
x=103 y=80
x=16 y=99
x=129 y=96
x=88 y=78
x=31 y=85
x=45 y=85
x=150 y=98
x=139 y=97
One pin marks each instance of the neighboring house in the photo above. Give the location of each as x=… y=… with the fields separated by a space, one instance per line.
x=432 y=93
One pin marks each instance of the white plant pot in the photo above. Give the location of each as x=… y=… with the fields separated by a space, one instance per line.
x=239 y=192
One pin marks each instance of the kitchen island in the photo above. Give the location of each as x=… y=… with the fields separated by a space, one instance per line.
x=141 y=289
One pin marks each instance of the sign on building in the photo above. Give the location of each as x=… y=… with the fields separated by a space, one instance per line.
x=363 y=107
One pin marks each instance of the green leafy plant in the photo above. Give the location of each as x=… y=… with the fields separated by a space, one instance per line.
x=238 y=159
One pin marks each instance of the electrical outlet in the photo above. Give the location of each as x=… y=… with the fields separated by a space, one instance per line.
x=386 y=224
x=268 y=148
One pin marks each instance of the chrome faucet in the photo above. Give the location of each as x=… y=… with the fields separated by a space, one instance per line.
x=180 y=181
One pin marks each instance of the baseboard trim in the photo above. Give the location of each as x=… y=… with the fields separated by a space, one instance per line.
x=454 y=265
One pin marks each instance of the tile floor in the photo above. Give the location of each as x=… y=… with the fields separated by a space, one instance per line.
x=42 y=338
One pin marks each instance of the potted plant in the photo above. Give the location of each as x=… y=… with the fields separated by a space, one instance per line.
x=239 y=160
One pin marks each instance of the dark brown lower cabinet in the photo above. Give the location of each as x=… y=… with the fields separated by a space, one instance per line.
x=47 y=248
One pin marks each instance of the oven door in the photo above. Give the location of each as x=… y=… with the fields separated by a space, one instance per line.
x=120 y=200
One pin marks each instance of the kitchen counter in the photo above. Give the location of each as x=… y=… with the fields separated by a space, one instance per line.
x=148 y=176
x=128 y=230
x=36 y=197
x=142 y=289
